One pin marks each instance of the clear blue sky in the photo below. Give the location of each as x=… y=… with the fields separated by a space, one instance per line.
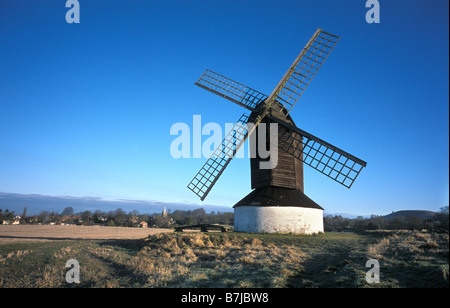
x=86 y=109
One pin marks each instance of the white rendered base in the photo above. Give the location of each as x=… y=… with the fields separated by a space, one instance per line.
x=278 y=219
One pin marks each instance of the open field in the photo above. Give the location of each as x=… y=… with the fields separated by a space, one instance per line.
x=407 y=259
x=32 y=233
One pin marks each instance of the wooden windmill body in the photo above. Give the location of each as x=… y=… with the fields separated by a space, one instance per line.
x=277 y=202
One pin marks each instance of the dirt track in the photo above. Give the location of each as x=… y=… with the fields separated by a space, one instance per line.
x=26 y=233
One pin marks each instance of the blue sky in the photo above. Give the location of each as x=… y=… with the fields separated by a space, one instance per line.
x=86 y=109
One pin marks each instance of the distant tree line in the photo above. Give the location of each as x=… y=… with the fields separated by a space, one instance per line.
x=6 y=215
x=190 y=217
x=199 y=216
x=120 y=218
x=440 y=222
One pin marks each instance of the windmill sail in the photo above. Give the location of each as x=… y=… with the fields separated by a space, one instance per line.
x=232 y=90
x=208 y=175
x=303 y=70
x=321 y=155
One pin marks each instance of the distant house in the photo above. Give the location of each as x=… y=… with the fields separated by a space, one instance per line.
x=71 y=220
x=32 y=219
x=15 y=221
x=143 y=224
x=102 y=218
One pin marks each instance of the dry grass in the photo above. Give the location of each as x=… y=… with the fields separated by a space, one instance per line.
x=161 y=260
x=15 y=254
x=221 y=261
x=407 y=259
x=377 y=250
x=412 y=259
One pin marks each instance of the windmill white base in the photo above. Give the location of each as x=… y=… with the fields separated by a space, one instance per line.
x=274 y=209
x=278 y=219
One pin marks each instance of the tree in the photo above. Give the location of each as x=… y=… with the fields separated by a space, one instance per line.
x=133 y=213
x=443 y=218
x=68 y=211
x=43 y=216
x=145 y=217
x=119 y=217
x=159 y=221
x=6 y=215
x=54 y=217
x=87 y=218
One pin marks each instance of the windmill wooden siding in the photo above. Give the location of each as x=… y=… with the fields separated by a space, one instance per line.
x=289 y=171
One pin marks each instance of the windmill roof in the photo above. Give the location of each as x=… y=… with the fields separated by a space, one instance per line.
x=277 y=196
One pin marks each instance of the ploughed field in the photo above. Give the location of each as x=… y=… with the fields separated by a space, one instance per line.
x=33 y=233
x=132 y=257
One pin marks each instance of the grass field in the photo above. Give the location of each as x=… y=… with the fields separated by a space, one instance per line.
x=406 y=258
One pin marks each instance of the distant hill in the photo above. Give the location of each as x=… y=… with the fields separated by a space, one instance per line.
x=410 y=213
x=37 y=203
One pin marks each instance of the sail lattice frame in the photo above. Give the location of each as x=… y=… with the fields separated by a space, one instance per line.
x=210 y=172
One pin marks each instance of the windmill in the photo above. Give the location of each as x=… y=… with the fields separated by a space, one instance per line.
x=277 y=202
